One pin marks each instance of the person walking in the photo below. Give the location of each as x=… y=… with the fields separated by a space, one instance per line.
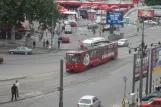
x=13 y=91
x=17 y=85
x=44 y=43
x=34 y=44
x=47 y=44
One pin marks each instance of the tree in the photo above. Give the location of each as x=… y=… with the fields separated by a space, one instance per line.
x=152 y=2
x=12 y=12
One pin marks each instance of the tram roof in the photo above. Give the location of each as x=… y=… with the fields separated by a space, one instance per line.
x=89 y=48
x=95 y=39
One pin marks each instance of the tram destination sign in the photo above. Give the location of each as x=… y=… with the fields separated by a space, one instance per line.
x=114 y=17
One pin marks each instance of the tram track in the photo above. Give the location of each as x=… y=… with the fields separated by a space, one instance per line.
x=70 y=82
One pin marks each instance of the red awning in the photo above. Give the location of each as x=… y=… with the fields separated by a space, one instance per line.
x=104 y=6
x=114 y=6
x=63 y=10
x=95 y=5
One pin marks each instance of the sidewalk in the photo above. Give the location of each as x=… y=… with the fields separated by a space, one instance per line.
x=5 y=46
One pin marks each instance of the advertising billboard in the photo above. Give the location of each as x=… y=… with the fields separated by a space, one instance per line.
x=145 y=13
x=137 y=63
x=156 y=59
x=114 y=17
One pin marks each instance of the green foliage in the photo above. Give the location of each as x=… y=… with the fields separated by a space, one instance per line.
x=152 y=2
x=13 y=11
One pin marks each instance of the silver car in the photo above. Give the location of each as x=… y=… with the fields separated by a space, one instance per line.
x=150 y=22
x=92 y=26
x=89 y=101
x=123 y=42
x=20 y=50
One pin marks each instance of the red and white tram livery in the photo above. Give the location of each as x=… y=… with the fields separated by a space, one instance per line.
x=80 y=60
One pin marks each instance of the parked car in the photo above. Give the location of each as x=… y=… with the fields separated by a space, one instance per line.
x=156 y=7
x=89 y=101
x=158 y=87
x=72 y=23
x=92 y=26
x=1 y=59
x=65 y=39
x=151 y=95
x=107 y=28
x=153 y=102
x=20 y=50
x=150 y=22
x=68 y=29
x=123 y=42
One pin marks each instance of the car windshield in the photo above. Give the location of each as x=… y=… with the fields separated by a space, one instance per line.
x=153 y=94
x=150 y=101
x=121 y=40
x=85 y=101
x=107 y=26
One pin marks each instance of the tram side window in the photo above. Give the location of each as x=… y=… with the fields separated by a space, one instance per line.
x=78 y=57
x=106 y=49
x=91 y=54
x=70 y=58
x=109 y=50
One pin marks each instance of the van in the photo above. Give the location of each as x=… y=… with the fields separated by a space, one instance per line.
x=68 y=29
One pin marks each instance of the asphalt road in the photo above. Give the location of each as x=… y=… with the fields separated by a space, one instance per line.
x=42 y=71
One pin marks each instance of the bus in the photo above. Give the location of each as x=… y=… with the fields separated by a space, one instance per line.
x=94 y=41
x=80 y=60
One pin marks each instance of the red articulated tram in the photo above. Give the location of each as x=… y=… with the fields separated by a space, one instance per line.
x=101 y=52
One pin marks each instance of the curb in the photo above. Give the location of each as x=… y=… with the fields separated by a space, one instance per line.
x=14 y=78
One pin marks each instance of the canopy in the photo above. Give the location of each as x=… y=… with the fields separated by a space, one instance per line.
x=114 y=6
x=63 y=10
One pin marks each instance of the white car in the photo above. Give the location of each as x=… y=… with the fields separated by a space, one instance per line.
x=123 y=42
x=89 y=101
x=150 y=22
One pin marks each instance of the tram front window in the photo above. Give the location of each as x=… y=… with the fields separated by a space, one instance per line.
x=70 y=57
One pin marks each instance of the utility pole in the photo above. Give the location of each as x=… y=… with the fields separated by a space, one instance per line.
x=52 y=31
x=61 y=85
x=101 y=21
x=141 y=72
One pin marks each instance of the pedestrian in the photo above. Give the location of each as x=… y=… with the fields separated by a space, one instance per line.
x=94 y=31
x=34 y=44
x=58 y=44
x=13 y=91
x=17 y=85
x=47 y=44
x=44 y=43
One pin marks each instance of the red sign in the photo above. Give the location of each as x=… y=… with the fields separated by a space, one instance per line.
x=146 y=13
x=91 y=16
x=135 y=1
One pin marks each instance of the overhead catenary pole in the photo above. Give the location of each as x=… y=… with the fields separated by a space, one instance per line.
x=141 y=72
x=101 y=21
x=133 y=81
x=61 y=85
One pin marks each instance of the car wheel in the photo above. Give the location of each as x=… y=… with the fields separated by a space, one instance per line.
x=11 y=53
x=26 y=53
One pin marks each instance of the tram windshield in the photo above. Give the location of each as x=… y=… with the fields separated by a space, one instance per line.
x=73 y=57
x=70 y=57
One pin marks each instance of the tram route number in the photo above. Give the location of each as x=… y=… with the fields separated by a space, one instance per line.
x=108 y=55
